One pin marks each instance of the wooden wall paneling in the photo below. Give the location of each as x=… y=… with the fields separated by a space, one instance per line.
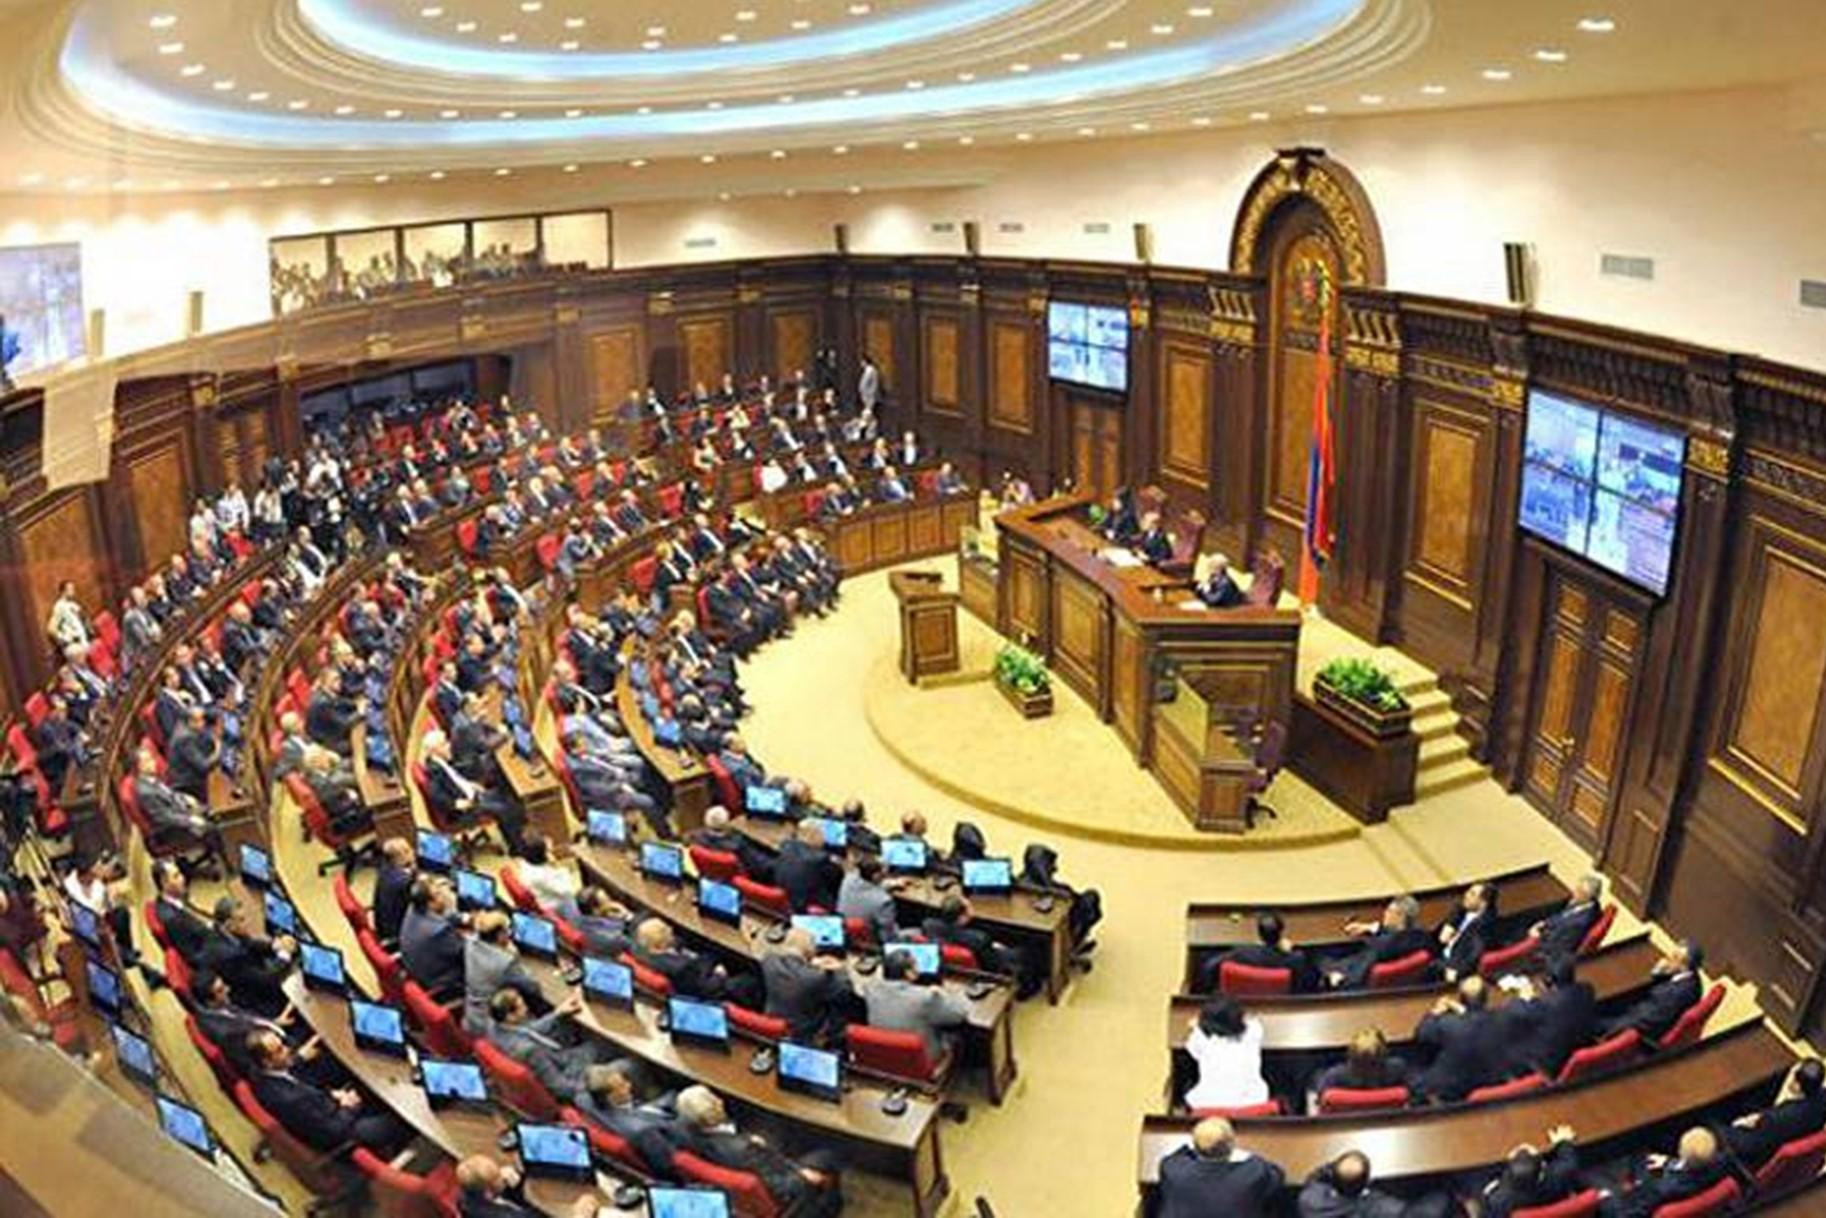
x=55 y=536
x=1141 y=416
x=792 y=341
x=1011 y=389
x=153 y=476
x=573 y=382
x=705 y=350
x=1185 y=415
x=1304 y=255
x=1236 y=307
x=618 y=363
x=940 y=357
x=1361 y=585
x=1448 y=502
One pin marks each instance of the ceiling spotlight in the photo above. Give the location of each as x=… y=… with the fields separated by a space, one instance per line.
x=392 y=113
x=859 y=10
x=1140 y=126
x=223 y=85
x=802 y=24
x=258 y=95
x=298 y=103
x=1024 y=136
x=1117 y=44
x=503 y=172
x=268 y=183
x=431 y=12
x=1070 y=56
x=1497 y=73
x=1162 y=29
x=916 y=84
x=778 y=154
x=1087 y=131
x=792 y=192
x=656 y=31
x=574 y=23
x=31 y=179
x=218 y=184
x=449 y=113
x=852 y=92
x=192 y=69
x=651 y=44
x=966 y=140
x=644 y=110
x=785 y=99
x=171 y=48
x=1432 y=90
x=572 y=168
x=507 y=36
x=345 y=108
x=531 y=6
x=326 y=181
x=573 y=113
x=569 y=44
x=1199 y=10
x=466 y=27
x=383 y=178
x=841 y=150
x=911 y=145
x=638 y=163
x=709 y=158
x=855 y=190
x=1258 y=116
x=1370 y=99
x=715 y=105
x=1597 y=25
x=510 y=114
x=746 y=14
x=162 y=21
x=722 y=196
x=966 y=77
x=1551 y=55
x=1018 y=68
x=437 y=175
x=728 y=37
x=1318 y=108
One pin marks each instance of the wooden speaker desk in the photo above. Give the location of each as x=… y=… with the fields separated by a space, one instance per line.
x=928 y=624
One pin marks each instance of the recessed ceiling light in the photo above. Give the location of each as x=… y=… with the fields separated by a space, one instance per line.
x=569 y=44
x=345 y=108
x=1497 y=73
x=785 y=99
x=966 y=140
x=715 y=105
x=572 y=168
x=30 y=179
x=1160 y=28
x=507 y=36
x=841 y=150
x=218 y=184
x=656 y=31
x=1199 y=10
x=728 y=37
x=510 y=114
x=1317 y=108
x=449 y=113
x=792 y=192
x=1203 y=120
x=383 y=178
x=778 y=154
x=192 y=69
x=503 y=172
x=326 y=181
x=162 y=21
x=298 y=103
x=1087 y=131
x=1258 y=116
x=802 y=24
x=1597 y=25
x=437 y=175
x=1117 y=44
x=746 y=14
x=1017 y=67
x=258 y=95
x=1432 y=90
x=392 y=113
x=644 y=110
x=573 y=113
x=268 y=183
x=651 y=44
x=171 y=48
x=859 y=10
x=852 y=92
x=709 y=158
x=1070 y=56
x=855 y=190
x=1141 y=126
x=916 y=84
x=1371 y=99
x=966 y=77
x=531 y=6
x=638 y=163
x=223 y=85
x=574 y=23
x=1551 y=55
x=431 y=12
x=1023 y=136
x=911 y=145
x=466 y=27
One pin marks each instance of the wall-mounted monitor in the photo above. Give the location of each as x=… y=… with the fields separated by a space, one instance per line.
x=1088 y=345
x=1603 y=484
x=41 y=317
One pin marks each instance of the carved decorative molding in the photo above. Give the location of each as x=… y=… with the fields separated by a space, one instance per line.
x=1370 y=359
x=1508 y=393
x=1307 y=173
x=1794 y=483
x=1709 y=457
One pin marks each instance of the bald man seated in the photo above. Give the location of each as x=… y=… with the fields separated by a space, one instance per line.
x=1661 y=1181
x=1213 y=1176
x=485 y=1189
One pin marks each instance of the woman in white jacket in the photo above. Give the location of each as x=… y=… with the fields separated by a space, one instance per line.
x=1226 y=1046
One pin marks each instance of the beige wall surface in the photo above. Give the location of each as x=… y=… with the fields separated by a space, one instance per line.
x=1723 y=190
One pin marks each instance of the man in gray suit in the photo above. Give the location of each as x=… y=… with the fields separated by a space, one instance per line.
x=865 y=895
x=811 y=993
x=489 y=965
x=868 y=386
x=543 y=1045
x=898 y=1003
x=292 y=747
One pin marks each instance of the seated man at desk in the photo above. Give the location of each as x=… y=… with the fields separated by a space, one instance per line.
x=1676 y=986
x=332 y=782
x=1459 y=1031
x=330 y=716
x=806 y=871
x=899 y=1002
x=1274 y=951
x=651 y=1128
x=717 y=834
x=565 y=1065
x=1394 y=935
x=1531 y=1180
x=485 y=1189
x=554 y=882
x=692 y=975
x=254 y=966
x=1799 y=1110
x=1341 y=1189
x=60 y=742
x=866 y=895
x=1561 y=933
x=1468 y=931
x=462 y=799
x=1661 y=1180
x=1152 y=541
x=1213 y=584
x=490 y=964
x=184 y=924
x=393 y=887
x=706 y=1131
x=1212 y=1176
x=324 y=1120
x=175 y=816
x=1547 y=1019
x=229 y=1027
x=1120 y=523
x=812 y=993
x=600 y=919
x=431 y=936
x=891 y=488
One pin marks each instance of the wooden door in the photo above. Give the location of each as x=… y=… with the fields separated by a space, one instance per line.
x=1095 y=459
x=1589 y=653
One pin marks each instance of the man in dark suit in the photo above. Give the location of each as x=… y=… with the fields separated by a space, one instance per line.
x=1467 y=931
x=691 y=975
x=1530 y=1179
x=602 y=922
x=1211 y=1176
x=1153 y=542
x=1395 y=935
x=1540 y=1029
x=1341 y=1189
x=1662 y=1181
x=1561 y=933
x=811 y=993
x=431 y=937
x=705 y=1130
x=651 y=1128
x=806 y=871
x=1458 y=1031
x=229 y=1028
x=485 y=1189
x=564 y=1064
x=446 y=694
x=1799 y=1110
x=325 y=1120
x=1215 y=586
x=184 y=926
x=60 y=743
x=254 y=967
x=1275 y=950
x=460 y=798
x=393 y=887
x=718 y=834
x=331 y=716
x=175 y=816
x=1674 y=988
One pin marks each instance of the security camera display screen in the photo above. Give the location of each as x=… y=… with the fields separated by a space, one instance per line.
x=41 y=322
x=1088 y=345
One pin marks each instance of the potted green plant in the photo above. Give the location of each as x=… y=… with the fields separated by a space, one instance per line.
x=1024 y=681
x=1364 y=694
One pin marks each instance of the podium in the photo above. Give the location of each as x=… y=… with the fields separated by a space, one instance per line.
x=1200 y=763
x=928 y=624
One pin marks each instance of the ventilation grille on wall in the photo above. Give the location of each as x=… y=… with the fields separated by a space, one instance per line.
x=1097 y=228
x=1813 y=293
x=700 y=243
x=1011 y=226
x=944 y=226
x=1626 y=266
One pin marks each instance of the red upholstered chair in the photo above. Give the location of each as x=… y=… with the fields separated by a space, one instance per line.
x=177 y=974
x=1234 y=978
x=859 y=933
x=1718 y=1199
x=37 y=707
x=440 y=1030
x=1794 y=1165
x=1410 y=969
x=469 y=536
x=1594 y=938
x=647 y=980
x=400 y=1194
x=671 y=499
x=642 y=572
x=1602 y=1057
x=547 y=550
x=1509 y=1090
x=1497 y=961
x=1267 y=1108
x=1579 y=1205
x=957 y=956
x=583 y=482
x=715 y=864
x=770 y=1028
x=212 y=1055
x=569 y=935
x=1692 y=1022
x=387 y=969
x=1188 y=540
x=353 y=911
x=1359 y=1099
x=764 y=897
x=317 y=1171
x=813 y=503
x=515 y=1085
x=64 y=1019
x=107 y=629
x=349 y=849
x=748 y=1196
x=898 y=1056
x=605 y=1144
x=517 y=891
x=129 y=805
x=724 y=782
x=1269 y=577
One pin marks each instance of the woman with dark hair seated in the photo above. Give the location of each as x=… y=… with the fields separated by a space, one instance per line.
x=1226 y=1047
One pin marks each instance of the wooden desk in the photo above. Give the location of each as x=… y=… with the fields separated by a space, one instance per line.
x=1203 y=767
x=234 y=813
x=538 y=789
x=928 y=624
x=1013 y=915
x=1448 y=1139
x=1217 y=926
x=991 y=1023
x=381 y=792
x=906 y=1145
x=890 y=533
x=685 y=777
x=1109 y=630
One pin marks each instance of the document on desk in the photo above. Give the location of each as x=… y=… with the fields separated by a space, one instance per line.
x=1192 y=605
x=1120 y=558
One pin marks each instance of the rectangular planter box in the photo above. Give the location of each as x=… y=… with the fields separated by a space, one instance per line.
x=1365 y=773
x=1031 y=706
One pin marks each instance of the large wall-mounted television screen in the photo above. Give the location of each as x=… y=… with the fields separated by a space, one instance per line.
x=1088 y=345
x=1604 y=485
x=41 y=306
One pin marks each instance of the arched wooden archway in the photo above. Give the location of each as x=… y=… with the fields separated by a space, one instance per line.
x=1306 y=227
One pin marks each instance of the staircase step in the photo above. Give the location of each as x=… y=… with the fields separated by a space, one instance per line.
x=1428 y=701
x=1442 y=752
x=1461 y=772
x=1434 y=726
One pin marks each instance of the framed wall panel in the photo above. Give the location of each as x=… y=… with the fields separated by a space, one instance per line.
x=159 y=486
x=704 y=349
x=792 y=337
x=616 y=366
x=1010 y=376
x=878 y=342
x=940 y=352
x=1185 y=413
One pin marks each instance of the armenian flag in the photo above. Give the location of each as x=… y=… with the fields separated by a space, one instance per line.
x=1321 y=475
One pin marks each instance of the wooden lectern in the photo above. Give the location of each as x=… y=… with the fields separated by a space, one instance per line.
x=928 y=623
